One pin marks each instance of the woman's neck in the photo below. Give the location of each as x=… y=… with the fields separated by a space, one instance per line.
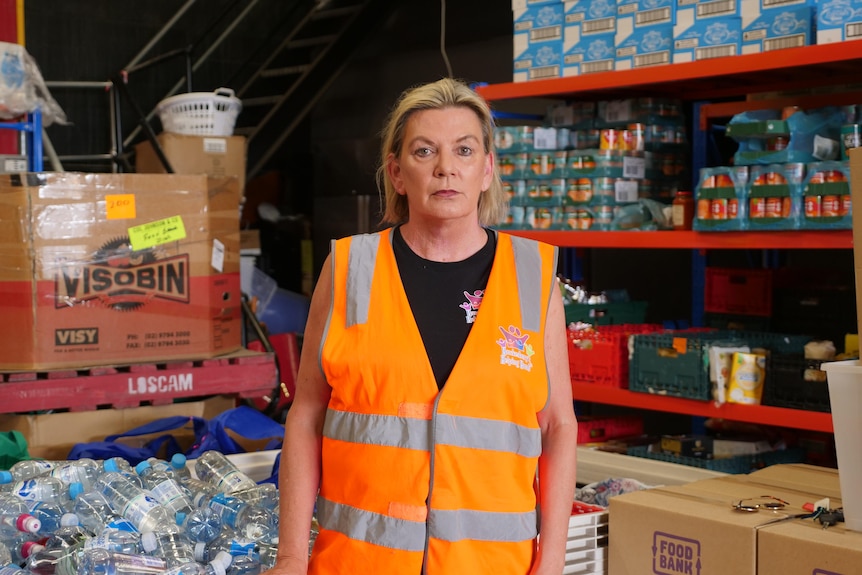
x=448 y=243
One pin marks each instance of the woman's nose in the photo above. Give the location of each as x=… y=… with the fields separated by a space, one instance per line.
x=445 y=164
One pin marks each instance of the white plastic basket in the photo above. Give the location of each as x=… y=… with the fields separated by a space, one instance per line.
x=200 y=113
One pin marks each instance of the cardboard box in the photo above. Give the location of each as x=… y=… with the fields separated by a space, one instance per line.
x=588 y=36
x=838 y=21
x=694 y=528
x=855 y=155
x=537 y=42
x=777 y=29
x=53 y=435
x=117 y=268
x=707 y=38
x=215 y=156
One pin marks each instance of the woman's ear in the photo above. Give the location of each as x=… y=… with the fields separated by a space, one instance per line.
x=489 y=171
x=393 y=170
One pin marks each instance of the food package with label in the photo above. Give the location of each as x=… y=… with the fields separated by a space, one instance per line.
x=747 y=374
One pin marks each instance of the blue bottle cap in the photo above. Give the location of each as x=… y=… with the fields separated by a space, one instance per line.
x=181 y=517
x=178 y=461
x=142 y=466
x=110 y=465
x=75 y=489
x=5 y=477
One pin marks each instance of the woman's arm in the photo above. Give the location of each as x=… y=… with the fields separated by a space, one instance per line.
x=557 y=463
x=299 y=472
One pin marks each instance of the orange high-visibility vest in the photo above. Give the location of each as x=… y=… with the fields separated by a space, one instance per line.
x=420 y=481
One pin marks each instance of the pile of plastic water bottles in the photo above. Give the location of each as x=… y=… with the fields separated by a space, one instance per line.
x=109 y=518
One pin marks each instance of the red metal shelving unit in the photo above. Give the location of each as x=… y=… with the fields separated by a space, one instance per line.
x=244 y=374
x=762 y=414
x=800 y=239
x=731 y=78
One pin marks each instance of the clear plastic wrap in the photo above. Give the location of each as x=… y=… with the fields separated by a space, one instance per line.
x=22 y=88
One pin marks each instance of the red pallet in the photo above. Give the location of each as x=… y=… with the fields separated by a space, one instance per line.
x=245 y=374
x=600 y=356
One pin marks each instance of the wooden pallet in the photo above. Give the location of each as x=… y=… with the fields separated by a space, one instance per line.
x=245 y=374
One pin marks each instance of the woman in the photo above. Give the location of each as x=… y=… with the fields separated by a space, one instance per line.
x=433 y=383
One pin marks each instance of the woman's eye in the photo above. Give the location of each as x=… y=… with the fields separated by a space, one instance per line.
x=465 y=150
x=423 y=152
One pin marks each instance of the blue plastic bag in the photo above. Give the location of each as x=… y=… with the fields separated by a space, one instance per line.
x=242 y=421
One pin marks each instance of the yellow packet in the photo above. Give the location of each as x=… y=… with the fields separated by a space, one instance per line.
x=747 y=373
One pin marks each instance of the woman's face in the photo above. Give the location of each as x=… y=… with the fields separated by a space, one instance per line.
x=443 y=167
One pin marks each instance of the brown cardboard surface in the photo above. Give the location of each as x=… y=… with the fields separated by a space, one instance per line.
x=52 y=436
x=75 y=291
x=216 y=156
x=805 y=548
x=855 y=155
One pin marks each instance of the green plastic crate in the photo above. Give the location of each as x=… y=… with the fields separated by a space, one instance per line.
x=677 y=364
x=735 y=465
x=610 y=313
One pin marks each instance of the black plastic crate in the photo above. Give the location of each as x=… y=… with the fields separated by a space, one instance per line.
x=738 y=464
x=786 y=385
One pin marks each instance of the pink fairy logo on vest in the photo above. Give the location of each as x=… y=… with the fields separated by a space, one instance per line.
x=514 y=349
x=471 y=306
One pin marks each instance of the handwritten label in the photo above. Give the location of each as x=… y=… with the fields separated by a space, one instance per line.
x=157 y=233
x=120 y=206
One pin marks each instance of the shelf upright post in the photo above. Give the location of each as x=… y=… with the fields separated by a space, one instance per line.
x=699 y=158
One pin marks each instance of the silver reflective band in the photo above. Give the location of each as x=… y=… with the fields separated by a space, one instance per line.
x=456 y=525
x=360 y=271
x=386 y=430
x=528 y=265
x=410 y=433
x=371 y=527
x=462 y=524
x=489 y=434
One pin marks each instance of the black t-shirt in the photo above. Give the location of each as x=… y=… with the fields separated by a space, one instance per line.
x=444 y=298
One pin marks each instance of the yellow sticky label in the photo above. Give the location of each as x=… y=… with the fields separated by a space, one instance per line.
x=680 y=344
x=157 y=233
x=120 y=207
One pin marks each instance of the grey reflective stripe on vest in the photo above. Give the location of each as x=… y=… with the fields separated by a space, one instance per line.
x=410 y=433
x=360 y=272
x=528 y=265
x=460 y=524
x=455 y=525
x=371 y=527
x=384 y=430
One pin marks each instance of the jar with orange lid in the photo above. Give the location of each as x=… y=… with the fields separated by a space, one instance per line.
x=682 y=210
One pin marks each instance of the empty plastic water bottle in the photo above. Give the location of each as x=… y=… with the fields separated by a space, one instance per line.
x=135 y=504
x=5 y=554
x=116 y=540
x=27 y=469
x=51 y=516
x=226 y=542
x=250 y=521
x=15 y=518
x=42 y=488
x=244 y=565
x=94 y=511
x=213 y=467
x=161 y=483
x=118 y=464
x=217 y=566
x=51 y=561
x=180 y=467
x=200 y=525
x=9 y=569
x=104 y=562
x=83 y=471
x=175 y=548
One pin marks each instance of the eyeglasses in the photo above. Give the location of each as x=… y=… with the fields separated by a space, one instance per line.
x=754 y=504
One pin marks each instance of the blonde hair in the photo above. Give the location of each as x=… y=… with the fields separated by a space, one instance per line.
x=445 y=93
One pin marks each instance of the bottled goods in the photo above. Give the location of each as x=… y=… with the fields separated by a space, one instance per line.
x=26 y=469
x=5 y=554
x=55 y=561
x=115 y=540
x=117 y=464
x=133 y=503
x=201 y=525
x=167 y=491
x=42 y=488
x=217 y=566
x=250 y=521
x=9 y=569
x=15 y=518
x=245 y=565
x=682 y=210
x=51 y=516
x=95 y=513
x=213 y=467
x=104 y=562
x=181 y=470
x=175 y=548
x=83 y=471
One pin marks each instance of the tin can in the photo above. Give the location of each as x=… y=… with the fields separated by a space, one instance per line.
x=585 y=220
x=794 y=172
x=732 y=208
x=609 y=139
x=830 y=206
x=604 y=215
x=718 y=209
x=704 y=209
x=846 y=205
x=541 y=163
x=812 y=206
x=723 y=181
x=773 y=207
x=757 y=208
x=851 y=137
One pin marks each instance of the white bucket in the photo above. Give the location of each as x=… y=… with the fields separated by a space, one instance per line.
x=845 y=397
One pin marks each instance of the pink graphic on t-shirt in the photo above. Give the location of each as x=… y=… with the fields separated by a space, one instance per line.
x=471 y=306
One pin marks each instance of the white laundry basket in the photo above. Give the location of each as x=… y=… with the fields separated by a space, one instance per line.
x=200 y=113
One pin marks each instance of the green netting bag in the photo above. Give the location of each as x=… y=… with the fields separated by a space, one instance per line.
x=13 y=448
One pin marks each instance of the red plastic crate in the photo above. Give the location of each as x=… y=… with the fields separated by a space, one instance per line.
x=738 y=291
x=593 y=429
x=600 y=356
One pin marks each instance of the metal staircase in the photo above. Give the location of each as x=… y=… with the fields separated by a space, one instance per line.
x=281 y=92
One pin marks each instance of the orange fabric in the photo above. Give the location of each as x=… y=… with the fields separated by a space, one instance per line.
x=378 y=368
